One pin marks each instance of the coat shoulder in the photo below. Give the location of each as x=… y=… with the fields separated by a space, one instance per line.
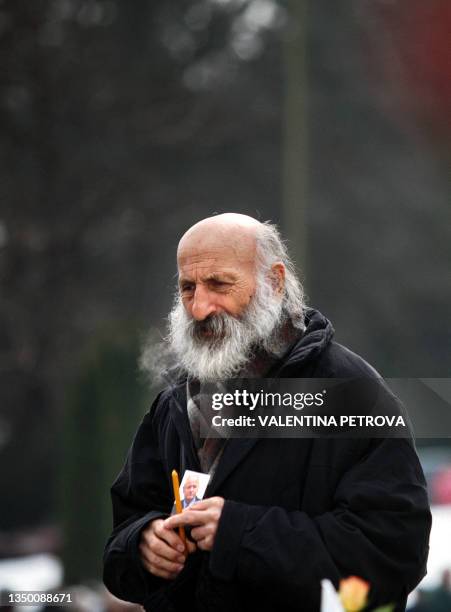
x=337 y=361
x=159 y=406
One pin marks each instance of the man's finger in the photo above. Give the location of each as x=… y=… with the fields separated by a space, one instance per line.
x=209 y=502
x=153 y=559
x=164 y=550
x=199 y=533
x=158 y=565
x=206 y=543
x=204 y=504
x=163 y=564
x=160 y=573
x=170 y=537
x=191 y=546
x=153 y=543
x=189 y=517
x=149 y=555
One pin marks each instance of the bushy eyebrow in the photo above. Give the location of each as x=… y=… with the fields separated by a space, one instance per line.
x=224 y=276
x=219 y=277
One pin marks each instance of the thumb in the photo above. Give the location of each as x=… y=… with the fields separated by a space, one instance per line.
x=191 y=546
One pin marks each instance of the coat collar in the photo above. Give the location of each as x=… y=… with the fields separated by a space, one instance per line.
x=317 y=335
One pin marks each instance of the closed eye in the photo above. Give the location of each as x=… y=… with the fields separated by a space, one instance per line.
x=218 y=284
x=186 y=287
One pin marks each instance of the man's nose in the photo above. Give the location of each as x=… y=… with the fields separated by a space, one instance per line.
x=203 y=305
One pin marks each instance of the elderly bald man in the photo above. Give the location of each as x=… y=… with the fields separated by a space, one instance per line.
x=278 y=515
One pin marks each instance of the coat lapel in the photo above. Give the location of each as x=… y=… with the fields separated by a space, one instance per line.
x=235 y=451
x=179 y=415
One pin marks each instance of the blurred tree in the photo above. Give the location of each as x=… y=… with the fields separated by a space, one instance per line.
x=27 y=480
x=296 y=157
x=104 y=408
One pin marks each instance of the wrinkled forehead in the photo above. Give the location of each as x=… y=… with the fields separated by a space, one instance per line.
x=216 y=251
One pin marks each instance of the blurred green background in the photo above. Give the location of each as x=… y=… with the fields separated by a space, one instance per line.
x=122 y=124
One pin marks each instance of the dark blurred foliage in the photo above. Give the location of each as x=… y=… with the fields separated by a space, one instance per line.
x=103 y=407
x=27 y=471
x=123 y=123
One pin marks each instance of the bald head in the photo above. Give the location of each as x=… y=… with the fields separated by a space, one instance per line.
x=232 y=230
x=228 y=219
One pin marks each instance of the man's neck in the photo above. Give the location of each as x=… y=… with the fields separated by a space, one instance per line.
x=262 y=360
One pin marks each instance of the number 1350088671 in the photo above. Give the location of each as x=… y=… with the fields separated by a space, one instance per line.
x=33 y=598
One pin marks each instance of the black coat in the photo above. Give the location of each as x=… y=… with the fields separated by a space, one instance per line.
x=296 y=510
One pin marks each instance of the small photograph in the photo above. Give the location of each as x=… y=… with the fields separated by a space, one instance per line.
x=192 y=487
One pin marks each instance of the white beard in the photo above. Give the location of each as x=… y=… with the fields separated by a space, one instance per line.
x=232 y=341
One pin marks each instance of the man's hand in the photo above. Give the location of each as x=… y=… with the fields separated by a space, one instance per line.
x=203 y=517
x=162 y=550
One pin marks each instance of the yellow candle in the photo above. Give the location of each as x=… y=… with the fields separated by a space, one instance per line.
x=178 y=503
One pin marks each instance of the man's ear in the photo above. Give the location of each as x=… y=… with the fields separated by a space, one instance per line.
x=277 y=278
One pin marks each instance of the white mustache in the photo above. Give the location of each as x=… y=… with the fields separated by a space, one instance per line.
x=212 y=329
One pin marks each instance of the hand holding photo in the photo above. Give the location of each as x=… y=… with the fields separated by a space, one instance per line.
x=201 y=519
